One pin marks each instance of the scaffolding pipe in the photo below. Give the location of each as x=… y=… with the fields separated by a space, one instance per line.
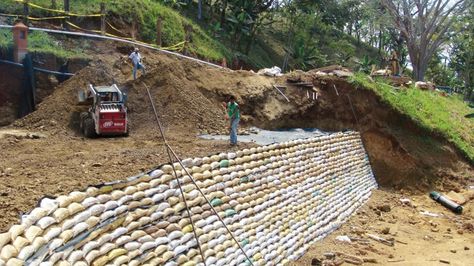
x=38 y=69
x=118 y=40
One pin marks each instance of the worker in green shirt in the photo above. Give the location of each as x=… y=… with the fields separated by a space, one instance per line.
x=233 y=114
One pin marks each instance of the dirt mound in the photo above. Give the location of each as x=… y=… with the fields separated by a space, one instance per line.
x=59 y=110
x=188 y=96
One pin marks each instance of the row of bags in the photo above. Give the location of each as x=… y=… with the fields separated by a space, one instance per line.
x=153 y=202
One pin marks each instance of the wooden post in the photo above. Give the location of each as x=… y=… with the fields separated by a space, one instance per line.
x=134 y=29
x=66 y=10
x=102 y=18
x=158 y=31
x=26 y=12
x=188 y=29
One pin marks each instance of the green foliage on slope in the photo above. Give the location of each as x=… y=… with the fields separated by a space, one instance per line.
x=447 y=116
x=144 y=12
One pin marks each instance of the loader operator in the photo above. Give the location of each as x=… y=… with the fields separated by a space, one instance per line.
x=137 y=63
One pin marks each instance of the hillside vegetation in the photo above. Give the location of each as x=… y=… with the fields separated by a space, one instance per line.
x=210 y=40
x=447 y=116
x=43 y=43
x=121 y=13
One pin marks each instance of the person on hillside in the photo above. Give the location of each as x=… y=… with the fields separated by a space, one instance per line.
x=137 y=63
x=233 y=114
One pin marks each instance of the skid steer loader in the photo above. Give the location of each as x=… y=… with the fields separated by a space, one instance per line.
x=107 y=114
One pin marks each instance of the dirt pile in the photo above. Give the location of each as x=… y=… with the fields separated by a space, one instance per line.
x=59 y=110
x=188 y=96
x=408 y=224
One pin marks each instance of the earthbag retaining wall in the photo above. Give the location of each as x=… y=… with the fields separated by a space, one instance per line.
x=276 y=199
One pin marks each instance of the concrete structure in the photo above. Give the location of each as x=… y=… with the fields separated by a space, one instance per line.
x=20 y=40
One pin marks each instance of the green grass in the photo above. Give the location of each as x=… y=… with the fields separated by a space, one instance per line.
x=145 y=13
x=6 y=39
x=42 y=43
x=436 y=113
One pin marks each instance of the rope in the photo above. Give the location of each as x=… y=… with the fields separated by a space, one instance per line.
x=115 y=36
x=79 y=28
x=47 y=18
x=334 y=85
x=175 y=47
x=118 y=39
x=169 y=149
x=111 y=26
x=32 y=18
x=9 y=15
x=353 y=113
x=175 y=174
x=58 y=11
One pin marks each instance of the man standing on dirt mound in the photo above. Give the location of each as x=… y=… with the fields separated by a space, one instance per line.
x=233 y=113
x=137 y=63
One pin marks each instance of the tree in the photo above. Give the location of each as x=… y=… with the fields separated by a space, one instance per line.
x=462 y=53
x=244 y=19
x=425 y=25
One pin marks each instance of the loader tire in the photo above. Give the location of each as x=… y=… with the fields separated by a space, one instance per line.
x=89 y=128
x=127 y=132
x=82 y=117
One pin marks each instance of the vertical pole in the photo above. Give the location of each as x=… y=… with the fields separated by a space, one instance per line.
x=66 y=10
x=53 y=4
x=199 y=9
x=134 y=26
x=158 y=31
x=187 y=37
x=102 y=18
x=26 y=12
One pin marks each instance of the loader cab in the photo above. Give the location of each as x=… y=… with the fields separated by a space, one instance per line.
x=107 y=94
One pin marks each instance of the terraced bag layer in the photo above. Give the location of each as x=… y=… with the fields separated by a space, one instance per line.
x=277 y=200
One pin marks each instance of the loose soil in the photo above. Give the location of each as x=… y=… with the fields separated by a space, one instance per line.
x=418 y=239
x=407 y=160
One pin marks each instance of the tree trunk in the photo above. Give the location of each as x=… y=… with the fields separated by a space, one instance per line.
x=199 y=9
x=224 y=7
x=250 y=42
x=419 y=70
x=380 y=41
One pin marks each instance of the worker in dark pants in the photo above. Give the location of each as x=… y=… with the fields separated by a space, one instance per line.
x=233 y=114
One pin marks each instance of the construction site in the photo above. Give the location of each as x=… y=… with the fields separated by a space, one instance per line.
x=170 y=190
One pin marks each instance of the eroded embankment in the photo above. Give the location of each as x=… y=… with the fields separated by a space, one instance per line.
x=276 y=200
x=402 y=153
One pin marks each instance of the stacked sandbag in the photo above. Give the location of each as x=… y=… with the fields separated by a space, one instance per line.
x=276 y=200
